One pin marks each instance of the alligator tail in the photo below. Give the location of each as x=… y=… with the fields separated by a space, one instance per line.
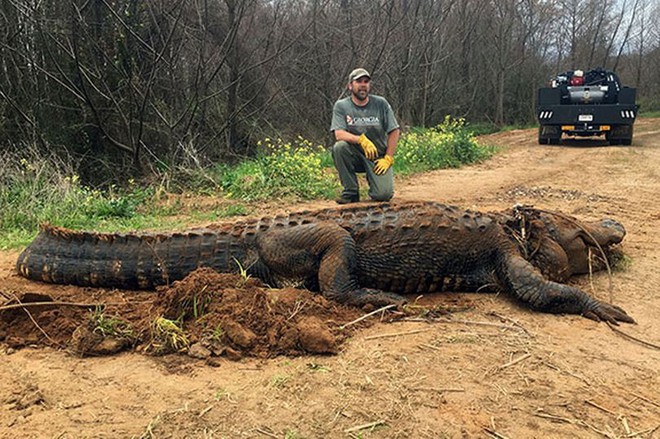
x=131 y=261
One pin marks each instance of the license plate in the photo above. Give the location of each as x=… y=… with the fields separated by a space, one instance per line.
x=585 y=117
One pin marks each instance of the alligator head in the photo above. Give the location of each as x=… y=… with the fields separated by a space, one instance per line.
x=561 y=245
x=586 y=244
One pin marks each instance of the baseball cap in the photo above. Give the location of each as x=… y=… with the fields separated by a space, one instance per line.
x=357 y=74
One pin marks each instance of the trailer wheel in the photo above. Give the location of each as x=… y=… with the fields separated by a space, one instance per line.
x=549 y=134
x=620 y=135
x=627 y=140
x=542 y=139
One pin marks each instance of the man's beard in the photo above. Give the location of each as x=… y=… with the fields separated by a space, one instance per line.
x=361 y=95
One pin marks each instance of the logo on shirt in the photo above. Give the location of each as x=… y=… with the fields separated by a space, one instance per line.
x=366 y=121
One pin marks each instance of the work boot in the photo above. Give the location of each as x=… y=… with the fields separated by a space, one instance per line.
x=346 y=200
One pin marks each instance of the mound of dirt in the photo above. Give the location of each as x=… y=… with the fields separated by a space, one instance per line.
x=231 y=315
x=39 y=323
x=205 y=315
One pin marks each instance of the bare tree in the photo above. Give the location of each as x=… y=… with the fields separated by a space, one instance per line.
x=124 y=83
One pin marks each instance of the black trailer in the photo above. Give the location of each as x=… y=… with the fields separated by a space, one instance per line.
x=581 y=104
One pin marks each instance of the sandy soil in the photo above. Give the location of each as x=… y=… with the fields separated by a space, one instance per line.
x=496 y=370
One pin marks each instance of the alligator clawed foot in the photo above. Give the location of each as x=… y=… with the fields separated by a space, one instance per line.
x=373 y=298
x=608 y=313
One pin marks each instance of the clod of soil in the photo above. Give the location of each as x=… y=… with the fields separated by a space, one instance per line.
x=241 y=317
x=204 y=315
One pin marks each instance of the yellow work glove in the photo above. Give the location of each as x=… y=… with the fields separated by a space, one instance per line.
x=382 y=165
x=368 y=147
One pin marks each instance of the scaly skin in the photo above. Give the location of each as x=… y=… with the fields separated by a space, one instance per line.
x=363 y=254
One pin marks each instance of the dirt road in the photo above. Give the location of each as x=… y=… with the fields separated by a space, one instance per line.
x=499 y=370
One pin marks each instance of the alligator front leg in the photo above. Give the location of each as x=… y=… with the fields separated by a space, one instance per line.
x=526 y=283
x=324 y=250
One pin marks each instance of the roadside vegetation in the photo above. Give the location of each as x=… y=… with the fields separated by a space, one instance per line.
x=35 y=189
x=649 y=113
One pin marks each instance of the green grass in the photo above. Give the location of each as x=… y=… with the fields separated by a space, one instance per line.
x=39 y=194
x=649 y=107
x=36 y=189
x=167 y=336
x=655 y=113
x=449 y=145
x=112 y=326
x=282 y=170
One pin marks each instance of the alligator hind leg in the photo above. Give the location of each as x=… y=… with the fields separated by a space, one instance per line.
x=324 y=250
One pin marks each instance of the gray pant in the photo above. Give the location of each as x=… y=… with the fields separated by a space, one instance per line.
x=349 y=160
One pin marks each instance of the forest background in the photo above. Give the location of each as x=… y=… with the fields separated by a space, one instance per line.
x=128 y=87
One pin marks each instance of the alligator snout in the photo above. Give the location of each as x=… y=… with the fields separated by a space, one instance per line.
x=612 y=232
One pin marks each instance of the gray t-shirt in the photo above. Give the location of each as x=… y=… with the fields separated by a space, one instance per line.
x=376 y=119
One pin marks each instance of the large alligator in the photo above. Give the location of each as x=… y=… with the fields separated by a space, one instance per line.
x=363 y=254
